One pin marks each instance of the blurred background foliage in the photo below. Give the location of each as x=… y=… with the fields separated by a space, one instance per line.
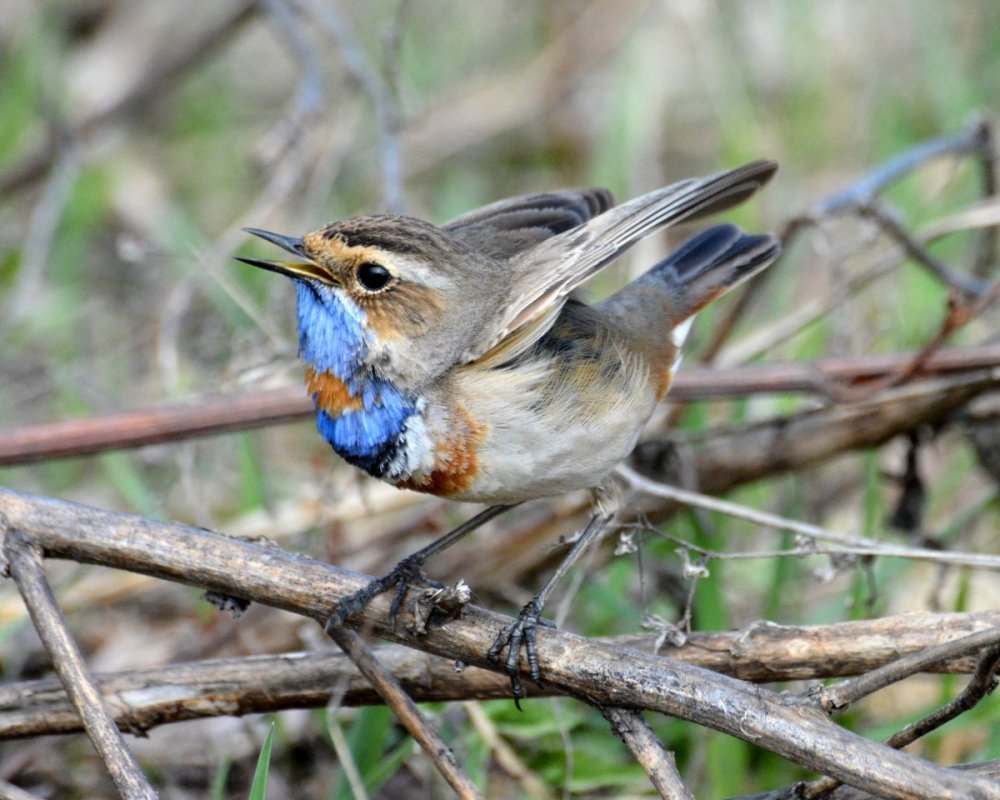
x=117 y=291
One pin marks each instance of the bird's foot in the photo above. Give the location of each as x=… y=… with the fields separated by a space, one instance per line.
x=521 y=632
x=406 y=573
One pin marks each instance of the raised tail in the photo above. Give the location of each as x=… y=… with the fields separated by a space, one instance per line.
x=709 y=264
x=667 y=297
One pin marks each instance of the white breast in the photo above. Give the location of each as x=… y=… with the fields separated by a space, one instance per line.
x=550 y=432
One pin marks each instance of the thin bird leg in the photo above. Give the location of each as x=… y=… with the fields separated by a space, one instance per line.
x=407 y=571
x=522 y=630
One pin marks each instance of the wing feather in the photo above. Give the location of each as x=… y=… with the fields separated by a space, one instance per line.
x=511 y=226
x=544 y=275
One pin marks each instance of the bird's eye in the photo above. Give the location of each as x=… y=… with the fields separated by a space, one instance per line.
x=373 y=276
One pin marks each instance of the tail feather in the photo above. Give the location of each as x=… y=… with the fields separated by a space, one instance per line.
x=711 y=263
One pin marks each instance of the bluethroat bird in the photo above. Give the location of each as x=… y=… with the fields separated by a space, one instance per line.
x=454 y=359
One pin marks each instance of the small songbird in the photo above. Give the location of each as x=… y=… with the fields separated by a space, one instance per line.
x=454 y=360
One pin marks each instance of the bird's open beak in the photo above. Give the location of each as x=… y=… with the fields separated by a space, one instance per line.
x=292 y=269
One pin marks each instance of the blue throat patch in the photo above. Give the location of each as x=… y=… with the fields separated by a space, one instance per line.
x=333 y=338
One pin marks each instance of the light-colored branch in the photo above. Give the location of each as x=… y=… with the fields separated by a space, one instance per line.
x=24 y=561
x=142 y=699
x=847 y=544
x=406 y=711
x=658 y=763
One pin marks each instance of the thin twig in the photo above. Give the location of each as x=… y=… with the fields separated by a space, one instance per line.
x=861 y=197
x=378 y=89
x=916 y=251
x=983 y=683
x=840 y=696
x=25 y=563
x=957 y=317
x=986 y=254
x=862 y=191
x=308 y=100
x=406 y=710
x=658 y=763
x=850 y=544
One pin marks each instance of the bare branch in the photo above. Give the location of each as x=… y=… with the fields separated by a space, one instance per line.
x=379 y=90
x=24 y=560
x=842 y=695
x=210 y=416
x=916 y=251
x=142 y=699
x=848 y=544
x=405 y=709
x=659 y=764
x=983 y=683
x=968 y=142
x=986 y=255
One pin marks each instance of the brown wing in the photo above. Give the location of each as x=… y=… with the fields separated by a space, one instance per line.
x=545 y=275
x=510 y=226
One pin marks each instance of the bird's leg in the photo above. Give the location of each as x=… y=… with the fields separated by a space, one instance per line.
x=407 y=571
x=522 y=630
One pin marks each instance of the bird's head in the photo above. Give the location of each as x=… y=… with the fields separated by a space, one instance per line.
x=388 y=294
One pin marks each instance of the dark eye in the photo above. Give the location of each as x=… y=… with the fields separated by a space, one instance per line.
x=373 y=276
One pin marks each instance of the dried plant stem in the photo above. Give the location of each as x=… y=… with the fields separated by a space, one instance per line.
x=847 y=543
x=659 y=764
x=24 y=559
x=406 y=710
x=220 y=687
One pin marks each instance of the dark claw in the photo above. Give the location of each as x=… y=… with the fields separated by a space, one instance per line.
x=521 y=631
x=406 y=573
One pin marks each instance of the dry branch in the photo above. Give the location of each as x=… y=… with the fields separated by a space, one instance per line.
x=659 y=765
x=724 y=459
x=608 y=676
x=143 y=699
x=406 y=711
x=228 y=413
x=24 y=562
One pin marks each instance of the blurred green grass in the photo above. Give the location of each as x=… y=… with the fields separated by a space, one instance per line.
x=125 y=316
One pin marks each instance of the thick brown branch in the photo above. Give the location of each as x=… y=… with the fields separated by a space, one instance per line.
x=240 y=412
x=145 y=698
